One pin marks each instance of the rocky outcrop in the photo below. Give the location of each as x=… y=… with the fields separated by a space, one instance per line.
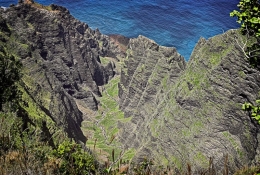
x=118 y=46
x=178 y=112
x=188 y=113
x=60 y=56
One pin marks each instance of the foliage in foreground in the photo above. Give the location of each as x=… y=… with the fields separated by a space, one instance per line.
x=253 y=109
x=9 y=76
x=24 y=152
x=249 y=18
x=26 y=144
x=73 y=159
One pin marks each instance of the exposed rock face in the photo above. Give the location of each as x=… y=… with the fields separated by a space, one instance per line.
x=180 y=112
x=61 y=56
x=189 y=113
x=119 y=44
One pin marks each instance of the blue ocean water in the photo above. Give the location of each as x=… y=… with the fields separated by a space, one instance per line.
x=178 y=23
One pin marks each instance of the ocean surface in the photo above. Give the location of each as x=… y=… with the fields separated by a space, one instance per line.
x=178 y=23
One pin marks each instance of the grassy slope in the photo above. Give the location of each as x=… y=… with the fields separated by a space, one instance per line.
x=102 y=129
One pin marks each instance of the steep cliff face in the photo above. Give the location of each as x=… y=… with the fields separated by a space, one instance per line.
x=175 y=112
x=189 y=113
x=61 y=60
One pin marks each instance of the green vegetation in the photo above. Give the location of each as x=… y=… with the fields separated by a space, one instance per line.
x=9 y=76
x=249 y=171
x=30 y=142
x=104 y=60
x=253 y=109
x=27 y=151
x=249 y=18
x=73 y=160
x=103 y=139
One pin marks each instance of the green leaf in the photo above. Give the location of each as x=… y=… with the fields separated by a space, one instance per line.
x=244 y=107
x=248 y=105
x=108 y=170
x=255 y=109
x=255 y=20
x=257 y=117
